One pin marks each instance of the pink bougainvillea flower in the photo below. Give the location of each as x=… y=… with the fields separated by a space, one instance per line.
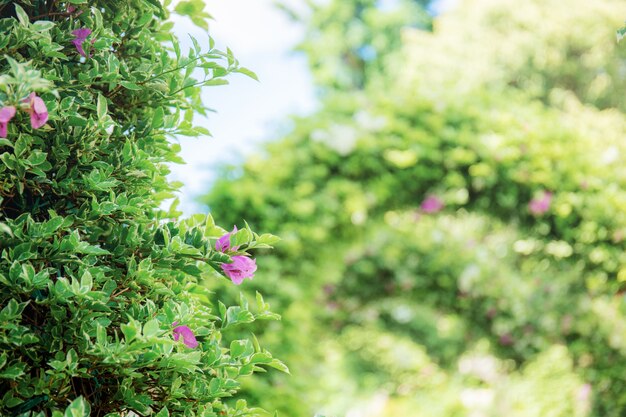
x=37 y=109
x=81 y=36
x=223 y=243
x=72 y=9
x=431 y=204
x=189 y=339
x=240 y=269
x=6 y=114
x=540 y=205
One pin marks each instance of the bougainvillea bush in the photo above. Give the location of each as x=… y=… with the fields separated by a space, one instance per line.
x=454 y=228
x=105 y=301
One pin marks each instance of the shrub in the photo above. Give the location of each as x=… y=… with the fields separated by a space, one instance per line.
x=105 y=301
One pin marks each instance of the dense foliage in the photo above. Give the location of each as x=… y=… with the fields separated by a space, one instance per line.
x=348 y=42
x=454 y=227
x=105 y=305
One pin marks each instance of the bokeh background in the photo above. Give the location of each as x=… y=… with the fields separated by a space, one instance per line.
x=449 y=183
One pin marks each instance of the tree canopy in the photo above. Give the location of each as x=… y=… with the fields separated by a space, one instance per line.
x=453 y=216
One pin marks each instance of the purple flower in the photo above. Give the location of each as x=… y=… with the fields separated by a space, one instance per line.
x=240 y=269
x=81 y=36
x=37 y=109
x=223 y=243
x=6 y=114
x=189 y=339
x=540 y=205
x=431 y=204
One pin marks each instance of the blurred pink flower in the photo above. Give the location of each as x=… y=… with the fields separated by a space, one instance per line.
x=241 y=268
x=81 y=36
x=6 y=114
x=431 y=204
x=332 y=306
x=584 y=392
x=506 y=340
x=189 y=339
x=540 y=205
x=223 y=243
x=37 y=109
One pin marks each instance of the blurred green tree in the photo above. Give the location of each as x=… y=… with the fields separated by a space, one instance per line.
x=348 y=41
x=453 y=217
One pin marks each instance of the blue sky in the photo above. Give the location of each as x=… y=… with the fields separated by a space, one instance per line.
x=247 y=112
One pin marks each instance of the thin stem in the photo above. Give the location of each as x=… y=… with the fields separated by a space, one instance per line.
x=168 y=71
x=62 y=14
x=189 y=86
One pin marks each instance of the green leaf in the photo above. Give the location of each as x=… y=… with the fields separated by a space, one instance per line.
x=86 y=282
x=261 y=358
x=216 y=81
x=194 y=9
x=78 y=408
x=71 y=358
x=159 y=7
x=247 y=72
x=241 y=237
x=87 y=249
x=37 y=158
x=5 y=142
x=52 y=225
x=9 y=160
x=235 y=315
x=4 y=228
x=130 y=85
x=43 y=25
x=76 y=120
x=151 y=328
x=22 y=16
x=267 y=239
x=157 y=118
x=13 y=371
x=240 y=348
x=163 y=413
x=12 y=309
x=276 y=364
x=102 y=108
x=101 y=335
x=130 y=330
